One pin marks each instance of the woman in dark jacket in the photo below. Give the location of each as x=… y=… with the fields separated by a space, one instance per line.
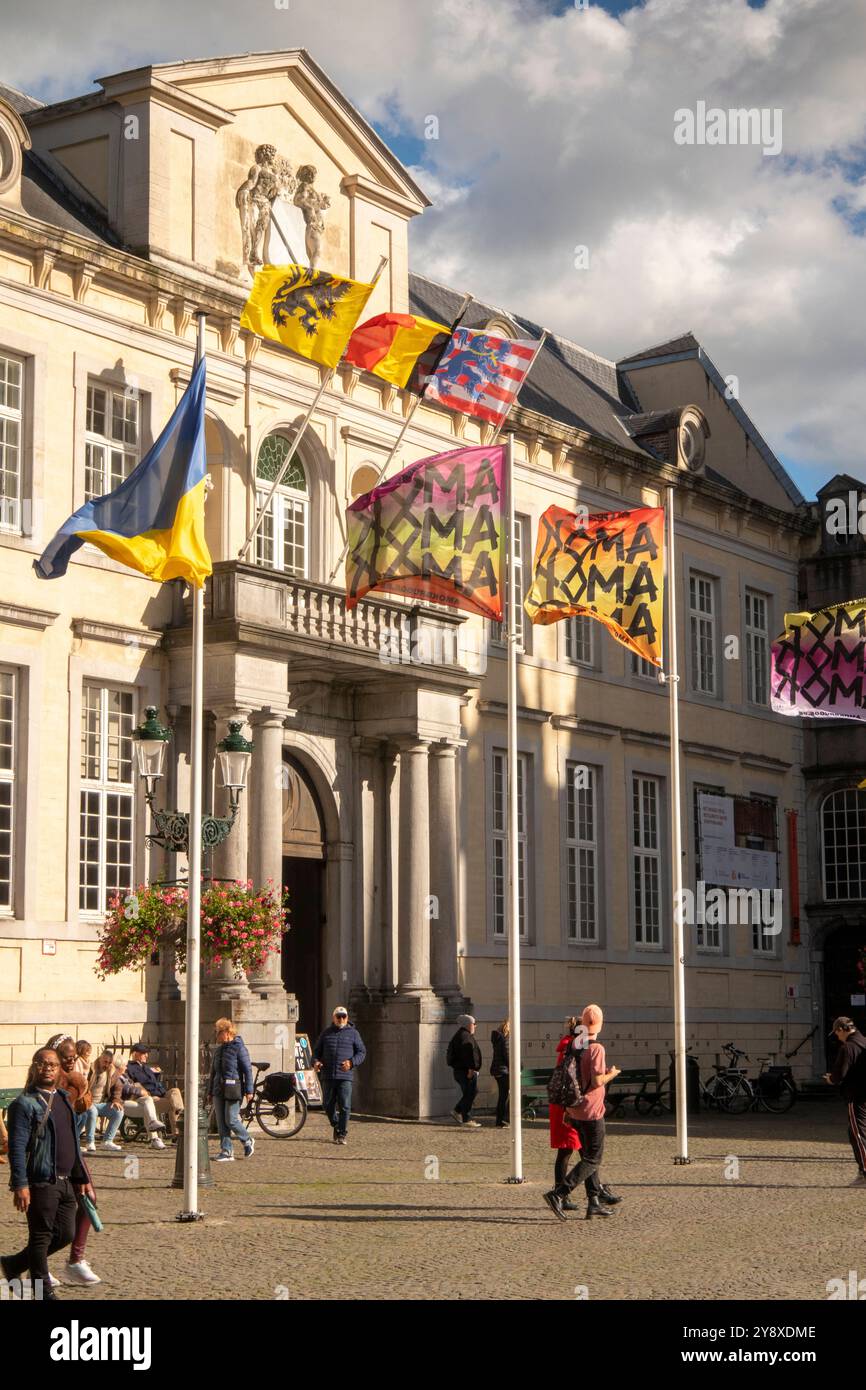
x=231 y=1063
x=562 y=1137
x=499 y=1070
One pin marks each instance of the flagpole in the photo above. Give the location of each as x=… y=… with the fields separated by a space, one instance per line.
x=672 y=681
x=467 y=300
x=383 y=261
x=193 y=921
x=513 y=826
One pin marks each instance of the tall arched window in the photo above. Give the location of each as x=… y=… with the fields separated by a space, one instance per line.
x=843 y=830
x=283 y=540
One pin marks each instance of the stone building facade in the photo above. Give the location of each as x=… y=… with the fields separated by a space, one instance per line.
x=377 y=783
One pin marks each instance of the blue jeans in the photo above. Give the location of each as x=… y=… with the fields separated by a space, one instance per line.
x=338 y=1102
x=97 y=1112
x=229 y=1123
x=468 y=1091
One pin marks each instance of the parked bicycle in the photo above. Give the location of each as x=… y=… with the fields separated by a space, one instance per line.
x=732 y=1091
x=278 y=1104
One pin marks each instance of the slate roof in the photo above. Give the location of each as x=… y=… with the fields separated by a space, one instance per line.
x=567 y=383
x=19 y=101
x=49 y=200
x=686 y=342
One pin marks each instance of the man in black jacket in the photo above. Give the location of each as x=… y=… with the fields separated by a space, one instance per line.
x=849 y=1074
x=464 y=1059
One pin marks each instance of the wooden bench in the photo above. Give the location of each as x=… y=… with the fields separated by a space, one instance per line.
x=6 y=1099
x=644 y=1086
x=533 y=1090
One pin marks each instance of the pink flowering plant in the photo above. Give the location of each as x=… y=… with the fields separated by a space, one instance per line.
x=239 y=924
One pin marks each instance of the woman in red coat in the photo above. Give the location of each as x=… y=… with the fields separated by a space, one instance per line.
x=563 y=1137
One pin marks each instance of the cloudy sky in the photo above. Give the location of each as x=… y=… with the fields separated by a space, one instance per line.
x=556 y=131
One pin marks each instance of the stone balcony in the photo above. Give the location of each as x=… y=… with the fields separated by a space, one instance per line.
x=264 y=609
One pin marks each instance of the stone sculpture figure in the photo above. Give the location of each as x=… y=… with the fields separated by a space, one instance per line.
x=312 y=205
x=269 y=178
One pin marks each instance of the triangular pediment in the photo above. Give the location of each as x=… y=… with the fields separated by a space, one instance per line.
x=286 y=97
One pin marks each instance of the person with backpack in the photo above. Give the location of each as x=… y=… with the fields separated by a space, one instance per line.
x=563 y=1137
x=499 y=1070
x=585 y=1071
x=464 y=1059
x=230 y=1082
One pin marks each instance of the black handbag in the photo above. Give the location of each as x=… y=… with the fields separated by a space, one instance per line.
x=232 y=1089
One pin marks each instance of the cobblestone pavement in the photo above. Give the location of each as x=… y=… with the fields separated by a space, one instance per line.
x=286 y=1221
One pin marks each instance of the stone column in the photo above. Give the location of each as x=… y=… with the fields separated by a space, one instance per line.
x=365 y=837
x=413 y=949
x=443 y=869
x=229 y=861
x=266 y=826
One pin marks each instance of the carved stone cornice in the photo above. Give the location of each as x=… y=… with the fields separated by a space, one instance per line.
x=82 y=278
x=182 y=312
x=228 y=328
x=349 y=378
x=157 y=303
x=112 y=632
x=26 y=617
x=42 y=266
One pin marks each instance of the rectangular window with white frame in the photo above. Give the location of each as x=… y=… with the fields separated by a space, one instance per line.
x=646 y=860
x=8 y=754
x=11 y=440
x=758 y=646
x=579 y=641
x=582 y=852
x=522 y=560
x=112 y=439
x=647 y=670
x=702 y=634
x=106 y=797
x=499 y=826
x=708 y=935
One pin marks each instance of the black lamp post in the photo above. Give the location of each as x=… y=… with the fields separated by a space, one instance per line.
x=172 y=827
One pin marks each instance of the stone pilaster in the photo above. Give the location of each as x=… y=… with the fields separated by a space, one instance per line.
x=443 y=869
x=265 y=859
x=229 y=861
x=413 y=945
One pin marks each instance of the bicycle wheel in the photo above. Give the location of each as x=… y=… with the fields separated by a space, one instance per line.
x=713 y=1093
x=783 y=1099
x=282 y=1119
x=739 y=1096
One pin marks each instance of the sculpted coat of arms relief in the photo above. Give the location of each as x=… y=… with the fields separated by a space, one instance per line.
x=270 y=179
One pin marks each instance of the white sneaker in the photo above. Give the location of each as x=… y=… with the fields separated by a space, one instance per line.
x=156 y=1142
x=81 y=1273
x=472 y=1124
x=249 y=1149
x=89 y=1148
x=224 y=1158
x=110 y=1147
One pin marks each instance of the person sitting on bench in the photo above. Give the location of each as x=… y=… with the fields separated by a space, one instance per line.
x=166 y=1102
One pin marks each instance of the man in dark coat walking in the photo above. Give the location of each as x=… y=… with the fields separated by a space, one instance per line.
x=849 y=1074
x=336 y=1055
x=464 y=1059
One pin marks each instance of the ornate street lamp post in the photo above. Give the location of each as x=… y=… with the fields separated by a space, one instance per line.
x=172 y=827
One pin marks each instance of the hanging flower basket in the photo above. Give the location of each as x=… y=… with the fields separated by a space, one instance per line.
x=239 y=924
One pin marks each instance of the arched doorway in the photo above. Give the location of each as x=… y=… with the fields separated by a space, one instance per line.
x=304 y=877
x=843 y=981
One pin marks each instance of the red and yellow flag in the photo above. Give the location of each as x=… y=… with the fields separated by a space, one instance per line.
x=610 y=567
x=400 y=348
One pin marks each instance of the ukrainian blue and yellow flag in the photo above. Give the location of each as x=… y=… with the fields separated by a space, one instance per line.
x=153 y=522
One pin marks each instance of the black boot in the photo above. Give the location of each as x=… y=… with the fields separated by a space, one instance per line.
x=609 y=1198
x=568 y=1205
x=595 y=1208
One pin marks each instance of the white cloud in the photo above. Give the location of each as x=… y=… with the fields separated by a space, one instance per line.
x=561 y=129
